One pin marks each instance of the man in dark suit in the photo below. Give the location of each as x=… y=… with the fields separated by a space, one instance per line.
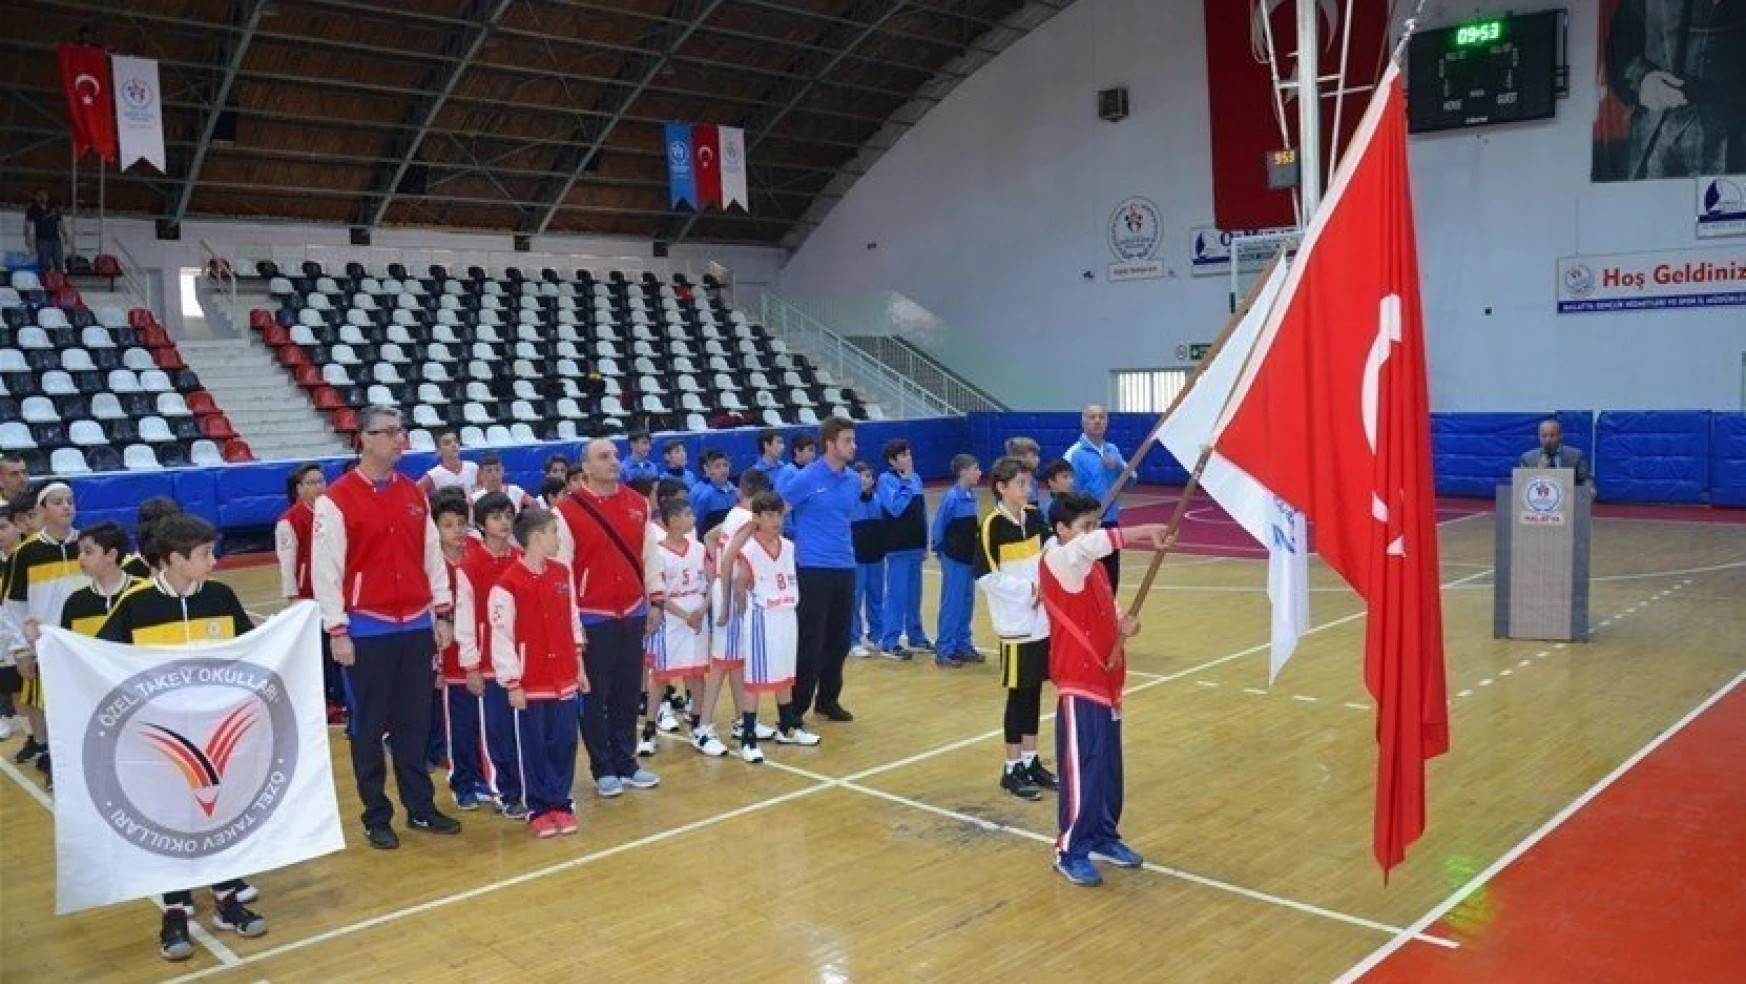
x=1553 y=454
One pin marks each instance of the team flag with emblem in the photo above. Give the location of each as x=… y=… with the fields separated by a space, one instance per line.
x=733 y=168
x=681 y=178
x=139 y=111
x=1333 y=415
x=90 y=104
x=182 y=766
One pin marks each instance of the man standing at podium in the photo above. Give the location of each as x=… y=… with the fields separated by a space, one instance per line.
x=1553 y=454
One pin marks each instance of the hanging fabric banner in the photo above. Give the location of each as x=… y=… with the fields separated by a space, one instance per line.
x=139 y=111
x=90 y=104
x=681 y=177
x=733 y=168
x=706 y=155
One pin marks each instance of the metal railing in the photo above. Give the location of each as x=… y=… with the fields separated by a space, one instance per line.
x=896 y=393
x=912 y=363
x=219 y=272
x=130 y=267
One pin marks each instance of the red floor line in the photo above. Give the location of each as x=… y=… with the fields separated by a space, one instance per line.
x=1644 y=883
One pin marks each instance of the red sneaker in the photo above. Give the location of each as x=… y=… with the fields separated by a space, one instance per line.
x=336 y=715
x=564 y=821
x=545 y=825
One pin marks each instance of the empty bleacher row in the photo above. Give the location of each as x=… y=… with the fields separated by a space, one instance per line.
x=103 y=390
x=512 y=359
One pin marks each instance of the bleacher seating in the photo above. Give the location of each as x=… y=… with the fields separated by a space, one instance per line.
x=518 y=358
x=77 y=384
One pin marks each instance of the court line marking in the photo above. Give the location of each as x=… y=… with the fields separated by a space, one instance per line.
x=225 y=956
x=1527 y=843
x=1188 y=876
x=490 y=887
x=1731 y=565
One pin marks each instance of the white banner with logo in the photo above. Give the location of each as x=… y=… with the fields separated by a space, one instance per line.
x=1721 y=206
x=139 y=111
x=1684 y=278
x=180 y=766
x=733 y=168
x=1135 y=229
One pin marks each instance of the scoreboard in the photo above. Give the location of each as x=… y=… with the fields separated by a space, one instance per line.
x=1498 y=70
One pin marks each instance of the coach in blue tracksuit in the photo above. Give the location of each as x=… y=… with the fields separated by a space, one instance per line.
x=906 y=544
x=1096 y=465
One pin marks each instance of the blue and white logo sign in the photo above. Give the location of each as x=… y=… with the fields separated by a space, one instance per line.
x=1578 y=280
x=1541 y=499
x=1135 y=229
x=1721 y=206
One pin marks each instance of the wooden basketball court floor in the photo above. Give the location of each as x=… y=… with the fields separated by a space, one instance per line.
x=888 y=853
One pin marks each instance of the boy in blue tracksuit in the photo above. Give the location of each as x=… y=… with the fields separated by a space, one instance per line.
x=953 y=540
x=866 y=531
x=712 y=497
x=905 y=519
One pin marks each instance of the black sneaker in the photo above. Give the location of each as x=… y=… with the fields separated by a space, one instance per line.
x=382 y=838
x=232 y=914
x=435 y=823
x=835 y=712
x=173 y=940
x=1017 y=781
x=1041 y=777
x=32 y=748
x=43 y=765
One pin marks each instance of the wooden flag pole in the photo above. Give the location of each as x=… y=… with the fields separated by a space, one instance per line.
x=1133 y=465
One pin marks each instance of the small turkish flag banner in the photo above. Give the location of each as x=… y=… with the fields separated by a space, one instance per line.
x=706 y=156
x=90 y=103
x=1334 y=417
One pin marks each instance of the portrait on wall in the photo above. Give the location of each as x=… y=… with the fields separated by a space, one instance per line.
x=1673 y=89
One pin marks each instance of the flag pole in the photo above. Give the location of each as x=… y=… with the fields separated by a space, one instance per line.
x=1236 y=318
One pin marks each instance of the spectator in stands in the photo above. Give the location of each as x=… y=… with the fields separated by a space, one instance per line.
x=602 y=538
x=450 y=470
x=1553 y=454
x=640 y=465
x=14 y=476
x=45 y=233
x=770 y=448
x=823 y=497
x=491 y=481
x=674 y=457
x=379 y=577
x=1097 y=464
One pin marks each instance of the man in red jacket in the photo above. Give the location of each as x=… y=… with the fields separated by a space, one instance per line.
x=602 y=538
x=379 y=577
x=1088 y=664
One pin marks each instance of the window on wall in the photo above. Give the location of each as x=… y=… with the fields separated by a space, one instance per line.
x=1145 y=390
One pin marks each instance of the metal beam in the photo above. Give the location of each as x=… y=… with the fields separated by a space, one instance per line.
x=247 y=14
x=762 y=128
x=467 y=43
x=560 y=190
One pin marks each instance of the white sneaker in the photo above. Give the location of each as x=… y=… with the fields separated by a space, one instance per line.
x=5 y=728
x=646 y=746
x=666 y=720
x=705 y=741
x=798 y=736
x=860 y=651
x=765 y=732
x=751 y=754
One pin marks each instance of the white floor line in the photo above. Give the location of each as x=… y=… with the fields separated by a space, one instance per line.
x=1527 y=843
x=495 y=886
x=1680 y=573
x=225 y=956
x=1165 y=870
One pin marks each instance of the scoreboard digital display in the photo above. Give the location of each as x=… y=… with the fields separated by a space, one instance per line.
x=1498 y=70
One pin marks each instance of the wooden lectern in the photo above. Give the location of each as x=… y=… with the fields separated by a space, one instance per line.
x=1542 y=557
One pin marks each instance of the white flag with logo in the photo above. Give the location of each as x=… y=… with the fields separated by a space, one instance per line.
x=733 y=168
x=184 y=765
x=139 y=111
x=1266 y=517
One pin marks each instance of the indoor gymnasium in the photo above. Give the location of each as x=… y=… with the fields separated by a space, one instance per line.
x=873 y=490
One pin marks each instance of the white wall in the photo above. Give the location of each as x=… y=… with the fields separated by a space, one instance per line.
x=988 y=212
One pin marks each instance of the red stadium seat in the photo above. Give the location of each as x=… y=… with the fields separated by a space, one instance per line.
x=217 y=427
x=275 y=336
x=260 y=318
x=237 y=451
x=292 y=355
x=68 y=299
x=53 y=280
x=153 y=337
x=345 y=420
x=106 y=266
x=305 y=375
x=168 y=359
x=140 y=318
x=201 y=403
x=326 y=397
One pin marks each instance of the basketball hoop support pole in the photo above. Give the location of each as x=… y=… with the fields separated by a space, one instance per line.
x=1309 y=111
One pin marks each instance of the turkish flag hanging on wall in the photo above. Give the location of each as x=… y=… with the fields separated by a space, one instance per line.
x=1334 y=416
x=1240 y=95
x=706 y=160
x=90 y=103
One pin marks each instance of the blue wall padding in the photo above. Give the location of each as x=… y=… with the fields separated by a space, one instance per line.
x=1674 y=457
x=1654 y=457
x=1728 y=459
x=1473 y=453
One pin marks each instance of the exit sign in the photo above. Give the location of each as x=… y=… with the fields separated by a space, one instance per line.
x=1198 y=350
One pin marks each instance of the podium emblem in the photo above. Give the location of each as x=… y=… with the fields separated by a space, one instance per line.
x=1542 y=498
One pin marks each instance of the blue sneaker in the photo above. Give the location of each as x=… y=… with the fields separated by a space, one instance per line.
x=1118 y=854
x=1079 y=871
x=467 y=800
x=609 y=786
x=947 y=662
x=641 y=779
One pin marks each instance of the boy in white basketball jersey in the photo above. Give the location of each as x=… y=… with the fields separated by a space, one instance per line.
x=725 y=660
x=770 y=628
x=679 y=648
